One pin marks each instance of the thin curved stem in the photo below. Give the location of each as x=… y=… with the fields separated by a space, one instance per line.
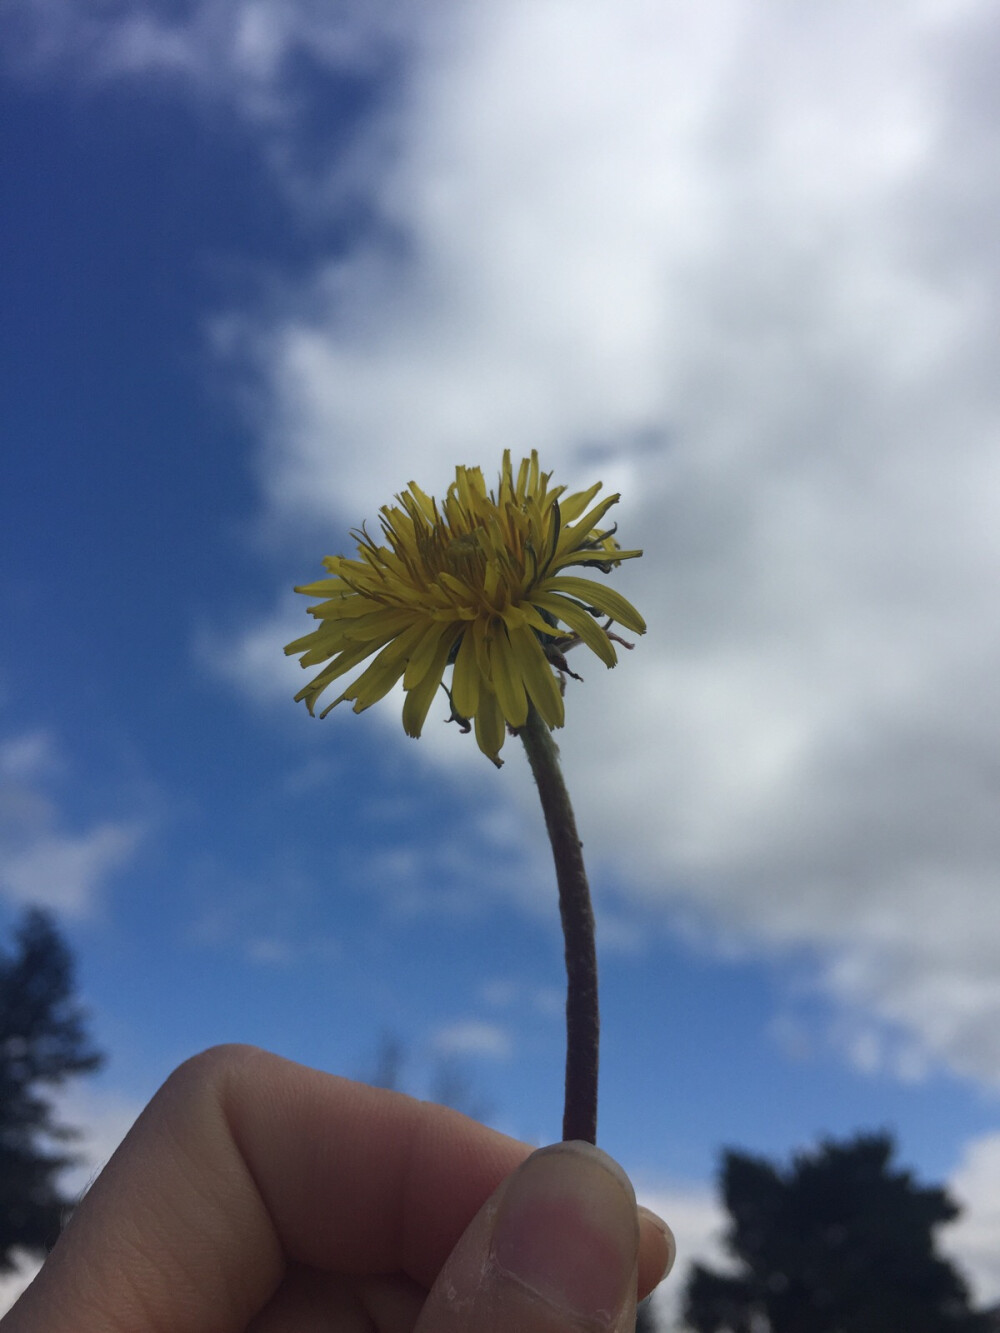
x=582 y=1012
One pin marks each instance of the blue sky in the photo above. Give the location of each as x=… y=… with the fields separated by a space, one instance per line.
x=265 y=263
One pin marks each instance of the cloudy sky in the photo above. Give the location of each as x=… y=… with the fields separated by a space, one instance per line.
x=265 y=262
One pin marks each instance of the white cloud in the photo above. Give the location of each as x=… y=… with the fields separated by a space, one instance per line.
x=472 y=1037
x=973 y=1241
x=30 y=756
x=41 y=861
x=697 y=1221
x=740 y=259
x=254 y=659
x=13 y=1284
x=66 y=871
x=729 y=244
x=513 y=993
x=236 y=50
x=103 y=1116
x=751 y=257
x=451 y=877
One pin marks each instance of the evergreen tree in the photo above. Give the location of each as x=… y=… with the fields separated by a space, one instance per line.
x=838 y=1243
x=43 y=1042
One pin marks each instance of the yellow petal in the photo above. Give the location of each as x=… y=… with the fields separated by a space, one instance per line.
x=507 y=679
x=600 y=555
x=480 y=628
x=342 y=661
x=490 y=729
x=304 y=644
x=599 y=595
x=579 y=619
x=465 y=677
x=575 y=536
x=574 y=505
x=418 y=699
x=424 y=501
x=324 y=588
x=380 y=675
x=426 y=651
x=528 y=615
x=538 y=676
x=311 y=692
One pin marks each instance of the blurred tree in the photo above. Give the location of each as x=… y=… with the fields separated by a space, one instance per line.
x=43 y=1042
x=838 y=1243
x=389 y=1061
x=450 y=1084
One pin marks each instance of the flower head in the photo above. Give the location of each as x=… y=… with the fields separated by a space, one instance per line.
x=476 y=583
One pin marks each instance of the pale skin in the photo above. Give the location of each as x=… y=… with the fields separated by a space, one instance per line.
x=254 y=1195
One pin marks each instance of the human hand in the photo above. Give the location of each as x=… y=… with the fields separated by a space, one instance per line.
x=257 y=1196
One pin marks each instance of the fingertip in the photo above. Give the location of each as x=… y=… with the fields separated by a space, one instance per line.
x=554 y=1248
x=576 y=1193
x=657 y=1250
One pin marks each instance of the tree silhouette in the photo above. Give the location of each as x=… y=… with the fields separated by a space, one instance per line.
x=42 y=1043
x=450 y=1083
x=838 y=1243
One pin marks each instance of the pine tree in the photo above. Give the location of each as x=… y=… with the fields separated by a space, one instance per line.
x=838 y=1243
x=43 y=1042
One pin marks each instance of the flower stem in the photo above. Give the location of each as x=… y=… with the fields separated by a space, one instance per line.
x=582 y=1014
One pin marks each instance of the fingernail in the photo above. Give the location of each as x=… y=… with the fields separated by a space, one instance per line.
x=567 y=1229
x=666 y=1256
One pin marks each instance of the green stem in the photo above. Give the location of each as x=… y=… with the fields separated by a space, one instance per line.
x=582 y=1014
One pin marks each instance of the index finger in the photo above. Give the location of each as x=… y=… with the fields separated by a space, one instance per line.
x=244 y=1163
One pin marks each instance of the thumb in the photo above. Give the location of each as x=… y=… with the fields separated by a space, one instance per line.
x=554 y=1249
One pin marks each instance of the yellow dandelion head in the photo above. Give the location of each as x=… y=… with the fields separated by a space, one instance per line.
x=476 y=583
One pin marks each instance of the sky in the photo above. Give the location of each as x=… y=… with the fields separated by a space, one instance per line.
x=267 y=261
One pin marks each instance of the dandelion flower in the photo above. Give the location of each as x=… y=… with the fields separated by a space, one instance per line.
x=478 y=583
